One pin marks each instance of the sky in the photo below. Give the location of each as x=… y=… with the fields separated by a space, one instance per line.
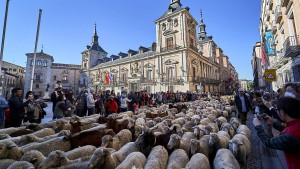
x=67 y=26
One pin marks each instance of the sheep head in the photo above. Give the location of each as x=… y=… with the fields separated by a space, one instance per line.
x=194 y=146
x=98 y=158
x=107 y=141
x=235 y=146
x=4 y=136
x=55 y=159
x=213 y=139
x=174 y=142
x=9 y=150
x=34 y=157
x=208 y=130
x=29 y=138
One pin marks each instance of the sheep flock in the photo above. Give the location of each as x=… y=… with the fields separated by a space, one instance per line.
x=202 y=134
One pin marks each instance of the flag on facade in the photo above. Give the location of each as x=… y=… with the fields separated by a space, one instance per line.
x=107 y=79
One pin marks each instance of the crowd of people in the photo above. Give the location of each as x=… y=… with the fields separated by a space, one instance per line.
x=278 y=110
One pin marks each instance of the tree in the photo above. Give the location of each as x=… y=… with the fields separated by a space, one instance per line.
x=250 y=85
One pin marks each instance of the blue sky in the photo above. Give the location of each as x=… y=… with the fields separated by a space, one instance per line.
x=67 y=27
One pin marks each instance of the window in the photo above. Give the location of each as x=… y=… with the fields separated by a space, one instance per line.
x=45 y=63
x=296 y=73
x=84 y=65
x=65 y=78
x=39 y=63
x=54 y=77
x=14 y=70
x=194 y=73
x=37 y=86
x=191 y=42
x=170 y=45
x=170 y=73
x=114 y=78
x=37 y=77
x=149 y=74
x=124 y=77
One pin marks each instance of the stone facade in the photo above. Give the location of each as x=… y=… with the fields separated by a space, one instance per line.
x=175 y=62
x=47 y=73
x=282 y=19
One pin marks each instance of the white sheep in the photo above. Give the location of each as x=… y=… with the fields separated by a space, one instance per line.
x=240 y=147
x=48 y=146
x=178 y=159
x=5 y=163
x=205 y=121
x=235 y=122
x=218 y=140
x=198 y=161
x=34 y=157
x=220 y=121
x=80 y=152
x=225 y=159
x=181 y=121
x=157 y=158
x=118 y=141
x=200 y=146
x=228 y=128
x=21 y=165
x=136 y=159
x=211 y=128
x=57 y=158
x=9 y=150
x=4 y=136
x=176 y=142
x=199 y=131
x=44 y=132
x=30 y=138
x=140 y=122
x=243 y=129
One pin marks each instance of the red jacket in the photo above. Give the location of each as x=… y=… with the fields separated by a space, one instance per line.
x=112 y=106
x=292 y=159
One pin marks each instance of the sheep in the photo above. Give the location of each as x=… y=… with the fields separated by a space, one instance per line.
x=157 y=159
x=48 y=146
x=109 y=158
x=9 y=150
x=61 y=124
x=239 y=145
x=140 y=122
x=181 y=121
x=20 y=132
x=225 y=114
x=34 y=157
x=119 y=140
x=211 y=128
x=225 y=159
x=218 y=140
x=183 y=143
x=21 y=165
x=220 y=121
x=198 y=161
x=10 y=130
x=26 y=139
x=235 y=122
x=80 y=152
x=243 y=129
x=205 y=121
x=199 y=131
x=4 y=136
x=188 y=126
x=56 y=158
x=5 y=163
x=228 y=128
x=178 y=159
x=117 y=125
x=137 y=159
x=212 y=117
x=200 y=146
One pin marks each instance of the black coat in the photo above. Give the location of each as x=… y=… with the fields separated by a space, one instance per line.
x=238 y=103
x=16 y=107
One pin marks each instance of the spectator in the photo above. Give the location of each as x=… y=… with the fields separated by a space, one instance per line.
x=60 y=109
x=54 y=96
x=16 y=106
x=29 y=112
x=111 y=105
x=90 y=102
x=289 y=139
x=242 y=105
x=124 y=103
x=70 y=103
x=3 y=107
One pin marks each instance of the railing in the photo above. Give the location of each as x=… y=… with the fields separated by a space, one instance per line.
x=64 y=81
x=145 y=80
x=168 y=49
x=291 y=47
x=194 y=48
x=278 y=14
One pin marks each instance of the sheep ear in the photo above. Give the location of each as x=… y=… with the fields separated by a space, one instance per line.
x=240 y=143
x=105 y=152
x=33 y=160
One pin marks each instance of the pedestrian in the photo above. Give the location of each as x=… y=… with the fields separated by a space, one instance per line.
x=3 y=107
x=16 y=106
x=60 y=108
x=70 y=103
x=242 y=104
x=54 y=96
x=124 y=103
x=29 y=112
x=289 y=138
x=90 y=102
x=111 y=106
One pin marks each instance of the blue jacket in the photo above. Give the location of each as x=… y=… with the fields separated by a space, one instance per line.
x=3 y=106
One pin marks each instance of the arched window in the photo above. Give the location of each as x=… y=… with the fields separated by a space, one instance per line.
x=45 y=63
x=39 y=63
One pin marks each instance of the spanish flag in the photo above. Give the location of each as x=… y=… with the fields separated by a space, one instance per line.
x=107 y=78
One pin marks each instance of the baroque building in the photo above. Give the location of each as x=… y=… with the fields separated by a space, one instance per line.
x=179 y=60
x=47 y=73
x=279 y=29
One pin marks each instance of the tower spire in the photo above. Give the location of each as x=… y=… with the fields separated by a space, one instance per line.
x=202 y=27
x=42 y=48
x=95 y=37
x=95 y=31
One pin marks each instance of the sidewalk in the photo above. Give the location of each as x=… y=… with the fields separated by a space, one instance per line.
x=262 y=157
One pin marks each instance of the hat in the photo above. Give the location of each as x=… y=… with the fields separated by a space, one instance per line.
x=241 y=90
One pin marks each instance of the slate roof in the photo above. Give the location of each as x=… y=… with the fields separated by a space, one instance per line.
x=173 y=7
x=96 y=47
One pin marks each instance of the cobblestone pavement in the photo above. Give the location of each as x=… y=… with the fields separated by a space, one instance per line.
x=262 y=157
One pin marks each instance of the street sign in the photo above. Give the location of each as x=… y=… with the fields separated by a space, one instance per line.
x=270 y=75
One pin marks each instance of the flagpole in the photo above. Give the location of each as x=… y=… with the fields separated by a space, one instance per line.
x=3 y=37
x=35 y=48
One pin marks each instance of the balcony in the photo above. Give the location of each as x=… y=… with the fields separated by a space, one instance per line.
x=291 y=47
x=169 y=49
x=284 y=3
x=205 y=80
x=278 y=14
x=194 y=48
x=270 y=4
x=64 y=81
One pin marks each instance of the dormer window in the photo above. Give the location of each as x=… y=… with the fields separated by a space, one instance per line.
x=39 y=63
x=45 y=63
